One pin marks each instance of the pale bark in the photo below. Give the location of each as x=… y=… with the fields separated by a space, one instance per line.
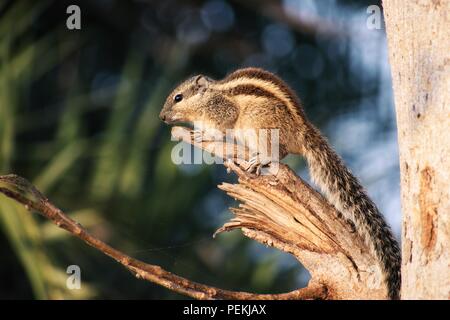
x=419 y=51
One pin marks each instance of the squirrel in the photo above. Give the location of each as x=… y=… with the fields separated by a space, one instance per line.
x=258 y=99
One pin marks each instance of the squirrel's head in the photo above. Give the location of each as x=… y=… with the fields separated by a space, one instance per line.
x=186 y=102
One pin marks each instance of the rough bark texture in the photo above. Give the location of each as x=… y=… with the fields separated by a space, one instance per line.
x=419 y=50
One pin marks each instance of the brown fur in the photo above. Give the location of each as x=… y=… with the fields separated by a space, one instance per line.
x=257 y=99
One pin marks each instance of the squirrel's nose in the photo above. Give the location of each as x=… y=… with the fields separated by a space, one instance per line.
x=162 y=117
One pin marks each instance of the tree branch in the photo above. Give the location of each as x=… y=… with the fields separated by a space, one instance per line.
x=277 y=210
x=19 y=189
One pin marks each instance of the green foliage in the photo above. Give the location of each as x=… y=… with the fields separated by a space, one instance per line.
x=21 y=228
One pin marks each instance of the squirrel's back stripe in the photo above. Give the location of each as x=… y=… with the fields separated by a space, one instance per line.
x=229 y=84
x=250 y=90
x=290 y=97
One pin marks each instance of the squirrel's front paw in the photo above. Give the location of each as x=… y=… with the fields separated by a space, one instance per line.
x=256 y=164
x=198 y=135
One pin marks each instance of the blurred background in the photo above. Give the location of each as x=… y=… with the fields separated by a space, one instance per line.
x=79 y=118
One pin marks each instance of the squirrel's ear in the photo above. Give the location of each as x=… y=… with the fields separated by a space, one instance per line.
x=202 y=81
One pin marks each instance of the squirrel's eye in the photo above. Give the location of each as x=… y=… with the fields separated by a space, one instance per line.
x=178 y=97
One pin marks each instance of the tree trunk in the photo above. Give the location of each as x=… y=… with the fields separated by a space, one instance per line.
x=419 y=51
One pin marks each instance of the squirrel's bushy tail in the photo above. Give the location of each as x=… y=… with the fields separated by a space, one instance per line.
x=349 y=197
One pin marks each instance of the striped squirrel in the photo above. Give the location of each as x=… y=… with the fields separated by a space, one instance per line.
x=255 y=98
